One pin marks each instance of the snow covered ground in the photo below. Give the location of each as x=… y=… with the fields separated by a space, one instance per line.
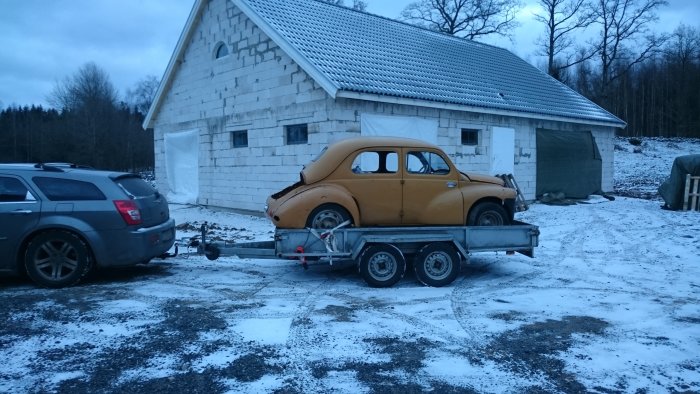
x=610 y=304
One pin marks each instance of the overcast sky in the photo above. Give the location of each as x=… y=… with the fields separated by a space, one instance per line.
x=43 y=41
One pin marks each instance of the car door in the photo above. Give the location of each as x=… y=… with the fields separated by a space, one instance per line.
x=431 y=194
x=19 y=214
x=373 y=178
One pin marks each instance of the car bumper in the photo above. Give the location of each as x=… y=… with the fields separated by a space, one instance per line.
x=137 y=246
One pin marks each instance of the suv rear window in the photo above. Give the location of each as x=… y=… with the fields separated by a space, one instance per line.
x=56 y=189
x=136 y=186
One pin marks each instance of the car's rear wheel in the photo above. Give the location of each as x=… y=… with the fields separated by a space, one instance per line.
x=327 y=216
x=488 y=214
x=57 y=259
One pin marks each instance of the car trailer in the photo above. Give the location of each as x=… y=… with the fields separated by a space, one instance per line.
x=380 y=252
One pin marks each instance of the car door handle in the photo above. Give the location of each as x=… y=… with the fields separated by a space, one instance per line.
x=451 y=184
x=21 y=212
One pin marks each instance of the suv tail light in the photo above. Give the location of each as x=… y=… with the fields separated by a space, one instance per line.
x=129 y=210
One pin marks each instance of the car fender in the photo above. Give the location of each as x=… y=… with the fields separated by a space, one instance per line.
x=486 y=192
x=294 y=211
x=82 y=229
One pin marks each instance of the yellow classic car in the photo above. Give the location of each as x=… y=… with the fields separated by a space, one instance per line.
x=384 y=181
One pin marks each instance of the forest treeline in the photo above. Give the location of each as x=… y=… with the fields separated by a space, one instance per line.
x=657 y=97
x=112 y=139
x=94 y=128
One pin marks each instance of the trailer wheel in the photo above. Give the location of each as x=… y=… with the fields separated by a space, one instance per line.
x=382 y=265
x=211 y=252
x=437 y=264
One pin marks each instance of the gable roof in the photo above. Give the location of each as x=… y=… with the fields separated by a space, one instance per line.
x=363 y=56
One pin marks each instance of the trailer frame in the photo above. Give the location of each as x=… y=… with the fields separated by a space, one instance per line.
x=380 y=252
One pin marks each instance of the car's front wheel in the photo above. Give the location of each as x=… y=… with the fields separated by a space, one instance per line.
x=488 y=214
x=327 y=216
x=57 y=259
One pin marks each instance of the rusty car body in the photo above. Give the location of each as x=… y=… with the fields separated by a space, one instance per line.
x=386 y=181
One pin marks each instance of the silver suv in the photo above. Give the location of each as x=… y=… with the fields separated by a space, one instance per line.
x=58 y=221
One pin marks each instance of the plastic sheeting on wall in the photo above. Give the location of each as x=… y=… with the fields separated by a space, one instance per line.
x=182 y=166
x=399 y=126
x=502 y=151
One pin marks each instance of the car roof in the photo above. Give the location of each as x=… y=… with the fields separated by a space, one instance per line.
x=57 y=169
x=340 y=150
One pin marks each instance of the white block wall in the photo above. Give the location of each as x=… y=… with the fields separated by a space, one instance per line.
x=260 y=89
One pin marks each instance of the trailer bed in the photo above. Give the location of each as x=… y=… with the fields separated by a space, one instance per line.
x=437 y=249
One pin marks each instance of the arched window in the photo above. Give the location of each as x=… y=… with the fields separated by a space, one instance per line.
x=221 y=50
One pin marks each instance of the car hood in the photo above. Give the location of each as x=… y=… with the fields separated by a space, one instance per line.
x=484 y=179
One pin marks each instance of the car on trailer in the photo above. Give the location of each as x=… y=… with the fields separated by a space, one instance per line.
x=383 y=181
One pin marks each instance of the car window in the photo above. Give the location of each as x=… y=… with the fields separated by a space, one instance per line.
x=376 y=162
x=56 y=189
x=418 y=162
x=136 y=186
x=13 y=190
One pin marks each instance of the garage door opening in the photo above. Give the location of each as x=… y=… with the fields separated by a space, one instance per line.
x=568 y=162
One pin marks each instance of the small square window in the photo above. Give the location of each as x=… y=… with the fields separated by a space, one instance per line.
x=297 y=134
x=470 y=136
x=239 y=139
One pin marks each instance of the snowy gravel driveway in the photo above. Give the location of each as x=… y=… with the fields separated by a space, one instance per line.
x=609 y=304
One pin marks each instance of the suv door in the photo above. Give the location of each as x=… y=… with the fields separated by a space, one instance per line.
x=431 y=189
x=19 y=214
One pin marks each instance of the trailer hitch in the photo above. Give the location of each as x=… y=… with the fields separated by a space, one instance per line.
x=210 y=251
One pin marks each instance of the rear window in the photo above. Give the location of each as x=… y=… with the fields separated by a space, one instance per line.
x=136 y=186
x=57 y=189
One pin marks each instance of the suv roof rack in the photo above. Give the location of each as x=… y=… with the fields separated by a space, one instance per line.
x=58 y=167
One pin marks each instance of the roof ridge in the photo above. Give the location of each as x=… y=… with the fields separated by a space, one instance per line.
x=410 y=25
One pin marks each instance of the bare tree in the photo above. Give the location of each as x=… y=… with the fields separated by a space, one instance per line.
x=89 y=100
x=562 y=19
x=87 y=89
x=360 y=5
x=684 y=45
x=625 y=36
x=464 y=18
x=143 y=94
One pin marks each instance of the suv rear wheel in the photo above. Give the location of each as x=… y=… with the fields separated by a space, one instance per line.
x=57 y=259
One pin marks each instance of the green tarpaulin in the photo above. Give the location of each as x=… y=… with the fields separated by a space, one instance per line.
x=568 y=162
x=673 y=188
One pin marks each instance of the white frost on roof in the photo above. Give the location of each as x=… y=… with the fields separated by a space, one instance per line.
x=365 y=53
